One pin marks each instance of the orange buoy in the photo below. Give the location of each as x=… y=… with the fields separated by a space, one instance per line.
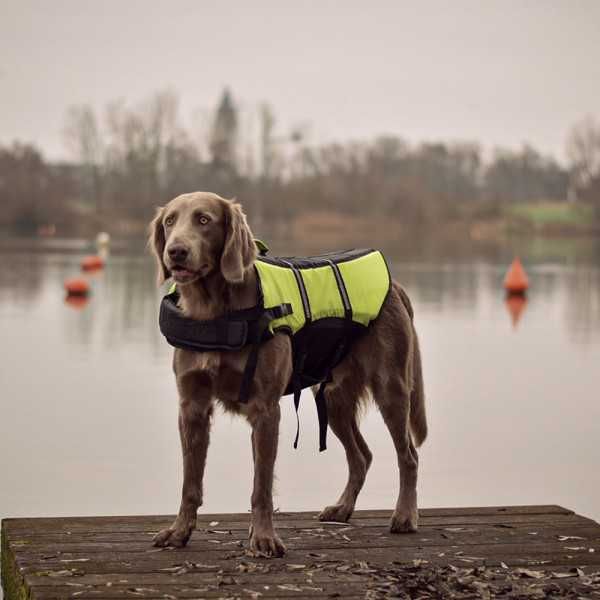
x=516 y=303
x=77 y=287
x=92 y=263
x=76 y=301
x=516 y=281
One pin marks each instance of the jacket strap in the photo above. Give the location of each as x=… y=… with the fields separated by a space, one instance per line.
x=320 y=400
x=298 y=368
x=262 y=326
x=321 y=403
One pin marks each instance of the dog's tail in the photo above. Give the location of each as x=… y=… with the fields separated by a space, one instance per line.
x=418 y=417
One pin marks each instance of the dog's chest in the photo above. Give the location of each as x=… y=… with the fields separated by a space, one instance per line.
x=207 y=362
x=188 y=363
x=220 y=372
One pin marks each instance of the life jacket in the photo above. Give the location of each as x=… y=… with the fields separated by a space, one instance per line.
x=324 y=303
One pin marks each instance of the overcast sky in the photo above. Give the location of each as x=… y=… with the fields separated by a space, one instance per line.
x=500 y=72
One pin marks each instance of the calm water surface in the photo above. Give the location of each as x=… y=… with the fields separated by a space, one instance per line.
x=88 y=407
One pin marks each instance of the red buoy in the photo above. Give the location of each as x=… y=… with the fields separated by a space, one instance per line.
x=92 y=263
x=77 y=287
x=516 y=281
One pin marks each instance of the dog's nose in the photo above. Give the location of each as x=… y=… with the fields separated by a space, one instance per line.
x=178 y=253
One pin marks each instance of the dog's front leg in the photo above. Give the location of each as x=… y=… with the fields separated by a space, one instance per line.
x=194 y=430
x=265 y=435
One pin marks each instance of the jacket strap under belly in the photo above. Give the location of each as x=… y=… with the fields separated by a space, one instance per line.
x=262 y=330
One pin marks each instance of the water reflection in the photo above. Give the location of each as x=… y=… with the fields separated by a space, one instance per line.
x=124 y=298
x=515 y=303
x=122 y=310
x=76 y=301
x=122 y=306
x=582 y=304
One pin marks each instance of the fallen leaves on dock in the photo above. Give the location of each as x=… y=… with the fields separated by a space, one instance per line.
x=62 y=573
x=423 y=581
x=417 y=579
x=190 y=567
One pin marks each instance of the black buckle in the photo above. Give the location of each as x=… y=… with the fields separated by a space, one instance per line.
x=282 y=310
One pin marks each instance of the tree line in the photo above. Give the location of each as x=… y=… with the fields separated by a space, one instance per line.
x=131 y=159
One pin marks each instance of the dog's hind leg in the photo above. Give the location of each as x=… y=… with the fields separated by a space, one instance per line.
x=362 y=444
x=342 y=420
x=393 y=400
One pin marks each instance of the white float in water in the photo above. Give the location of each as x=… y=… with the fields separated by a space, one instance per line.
x=103 y=240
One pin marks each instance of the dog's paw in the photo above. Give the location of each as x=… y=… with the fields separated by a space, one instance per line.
x=339 y=513
x=176 y=537
x=266 y=545
x=404 y=522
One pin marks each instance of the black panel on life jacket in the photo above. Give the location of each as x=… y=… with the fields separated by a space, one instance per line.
x=317 y=345
x=310 y=262
x=230 y=332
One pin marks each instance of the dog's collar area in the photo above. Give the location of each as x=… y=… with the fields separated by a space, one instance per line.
x=230 y=332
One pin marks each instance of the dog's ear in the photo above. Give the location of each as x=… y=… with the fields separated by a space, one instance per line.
x=239 y=250
x=156 y=243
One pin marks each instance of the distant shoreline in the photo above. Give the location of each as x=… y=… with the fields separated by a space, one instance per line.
x=531 y=231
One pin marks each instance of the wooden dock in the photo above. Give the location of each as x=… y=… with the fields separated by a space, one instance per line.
x=515 y=552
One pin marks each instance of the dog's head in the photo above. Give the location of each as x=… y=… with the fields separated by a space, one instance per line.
x=197 y=235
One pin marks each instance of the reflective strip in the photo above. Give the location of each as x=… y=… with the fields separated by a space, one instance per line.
x=302 y=288
x=342 y=289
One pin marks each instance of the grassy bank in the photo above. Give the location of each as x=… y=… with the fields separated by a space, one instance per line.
x=551 y=218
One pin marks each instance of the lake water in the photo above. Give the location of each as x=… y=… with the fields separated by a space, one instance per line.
x=88 y=408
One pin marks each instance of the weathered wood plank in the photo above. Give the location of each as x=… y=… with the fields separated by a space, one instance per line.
x=323 y=536
x=219 y=528
x=91 y=524
x=475 y=554
x=112 y=557
x=319 y=584
x=296 y=585
x=53 y=553
x=280 y=577
x=51 y=522
x=304 y=592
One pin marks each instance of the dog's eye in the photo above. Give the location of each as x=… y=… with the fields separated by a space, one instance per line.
x=169 y=221
x=203 y=220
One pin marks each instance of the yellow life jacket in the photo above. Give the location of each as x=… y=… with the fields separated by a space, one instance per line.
x=338 y=285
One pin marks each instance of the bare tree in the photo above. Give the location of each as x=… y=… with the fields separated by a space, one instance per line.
x=223 y=139
x=141 y=156
x=81 y=134
x=140 y=149
x=267 y=144
x=83 y=139
x=583 y=150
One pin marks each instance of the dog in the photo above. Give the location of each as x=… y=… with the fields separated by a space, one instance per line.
x=203 y=242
